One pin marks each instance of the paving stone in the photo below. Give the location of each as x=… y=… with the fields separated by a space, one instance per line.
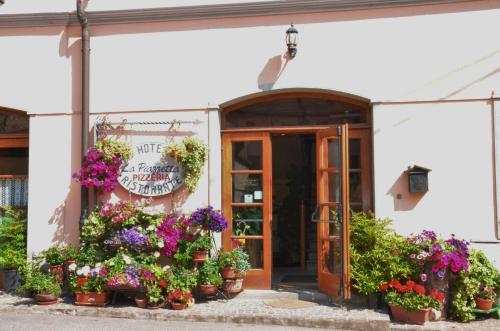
x=248 y=309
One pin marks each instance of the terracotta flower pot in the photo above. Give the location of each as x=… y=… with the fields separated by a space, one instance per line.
x=484 y=304
x=140 y=301
x=156 y=305
x=178 y=305
x=228 y=273
x=200 y=256
x=46 y=299
x=207 y=290
x=91 y=298
x=412 y=317
x=232 y=285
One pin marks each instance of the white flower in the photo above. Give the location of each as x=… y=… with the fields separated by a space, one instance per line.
x=150 y=228
x=86 y=270
x=139 y=228
x=98 y=265
x=161 y=244
x=127 y=259
x=72 y=267
x=111 y=263
x=79 y=272
x=157 y=254
x=165 y=268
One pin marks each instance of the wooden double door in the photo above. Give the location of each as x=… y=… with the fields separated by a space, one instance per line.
x=247 y=203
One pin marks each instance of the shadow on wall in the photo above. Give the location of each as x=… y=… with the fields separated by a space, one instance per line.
x=403 y=200
x=271 y=72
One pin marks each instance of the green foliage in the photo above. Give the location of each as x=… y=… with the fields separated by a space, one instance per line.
x=71 y=252
x=155 y=295
x=182 y=279
x=55 y=255
x=36 y=281
x=111 y=148
x=378 y=254
x=209 y=273
x=202 y=243
x=12 y=240
x=411 y=301
x=468 y=283
x=192 y=154
x=237 y=259
x=94 y=228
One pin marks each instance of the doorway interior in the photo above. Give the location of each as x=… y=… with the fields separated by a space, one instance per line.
x=294 y=236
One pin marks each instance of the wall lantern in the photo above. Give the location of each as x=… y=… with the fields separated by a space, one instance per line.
x=418 y=179
x=292 y=40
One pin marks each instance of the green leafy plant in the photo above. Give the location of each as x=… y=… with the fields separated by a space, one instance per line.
x=182 y=279
x=226 y=259
x=36 y=281
x=192 y=154
x=12 y=239
x=468 y=283
x=486 y=293
x=71 y=252
x=378 y=254
x=55 y=255
x=242 y=260
x=113 y=148
x=209 y=273
x=155 y=294
x=202 y=243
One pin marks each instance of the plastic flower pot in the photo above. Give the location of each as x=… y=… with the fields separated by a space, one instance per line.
x=92 y=299
x=484 y=304
x=46 y=299
x=420 y=316
x=200 y=256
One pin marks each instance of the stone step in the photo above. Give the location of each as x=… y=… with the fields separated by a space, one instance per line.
x=265 y=294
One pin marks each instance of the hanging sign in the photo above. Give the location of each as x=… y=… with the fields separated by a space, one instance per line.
x=149 y=173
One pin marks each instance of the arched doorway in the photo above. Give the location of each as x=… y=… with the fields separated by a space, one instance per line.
x=295 y=163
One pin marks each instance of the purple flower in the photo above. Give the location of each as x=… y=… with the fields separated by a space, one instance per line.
x=209 y=218
x=441 y=274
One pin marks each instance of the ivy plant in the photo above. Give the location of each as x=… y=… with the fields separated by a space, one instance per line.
x=191 y=154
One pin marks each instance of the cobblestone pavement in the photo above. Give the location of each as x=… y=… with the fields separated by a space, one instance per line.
x=246 y=310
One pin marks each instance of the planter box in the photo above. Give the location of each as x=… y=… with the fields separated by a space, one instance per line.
x=412 y=317
x=92 y=299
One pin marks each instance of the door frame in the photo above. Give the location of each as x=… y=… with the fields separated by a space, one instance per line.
x=359 y=131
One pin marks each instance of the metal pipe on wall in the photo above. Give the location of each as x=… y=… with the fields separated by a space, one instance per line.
x=82 y=17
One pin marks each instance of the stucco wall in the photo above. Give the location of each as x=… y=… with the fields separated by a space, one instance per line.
x=454 y=140
x=179 y=69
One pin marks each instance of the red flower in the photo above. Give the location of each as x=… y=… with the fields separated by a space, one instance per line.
x=394 y=283
x=163 y=283
x=419 y=289
x=82 y=281
x=439 y=296
x=403 y=289
x=383 y=287
x=410 y=284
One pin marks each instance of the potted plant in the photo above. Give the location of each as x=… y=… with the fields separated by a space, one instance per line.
x=88 y=285
x=101 y=165
x=181 y=278
x=55 y=256
x=485 y=298
x=191 y=153
x=227 y=264
x=200 y=247
x=43 y=286
x=153 y=279
x=209 y=278
x=12 y=247
x=70 y=254
x=179 y=299
x=409 y=302
x=208 y=219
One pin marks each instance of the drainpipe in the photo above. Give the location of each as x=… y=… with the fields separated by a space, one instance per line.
x=82 y=17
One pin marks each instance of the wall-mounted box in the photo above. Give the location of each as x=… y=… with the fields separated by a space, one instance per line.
x=418 y=179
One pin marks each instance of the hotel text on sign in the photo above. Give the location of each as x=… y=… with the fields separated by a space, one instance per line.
x=149 y=173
